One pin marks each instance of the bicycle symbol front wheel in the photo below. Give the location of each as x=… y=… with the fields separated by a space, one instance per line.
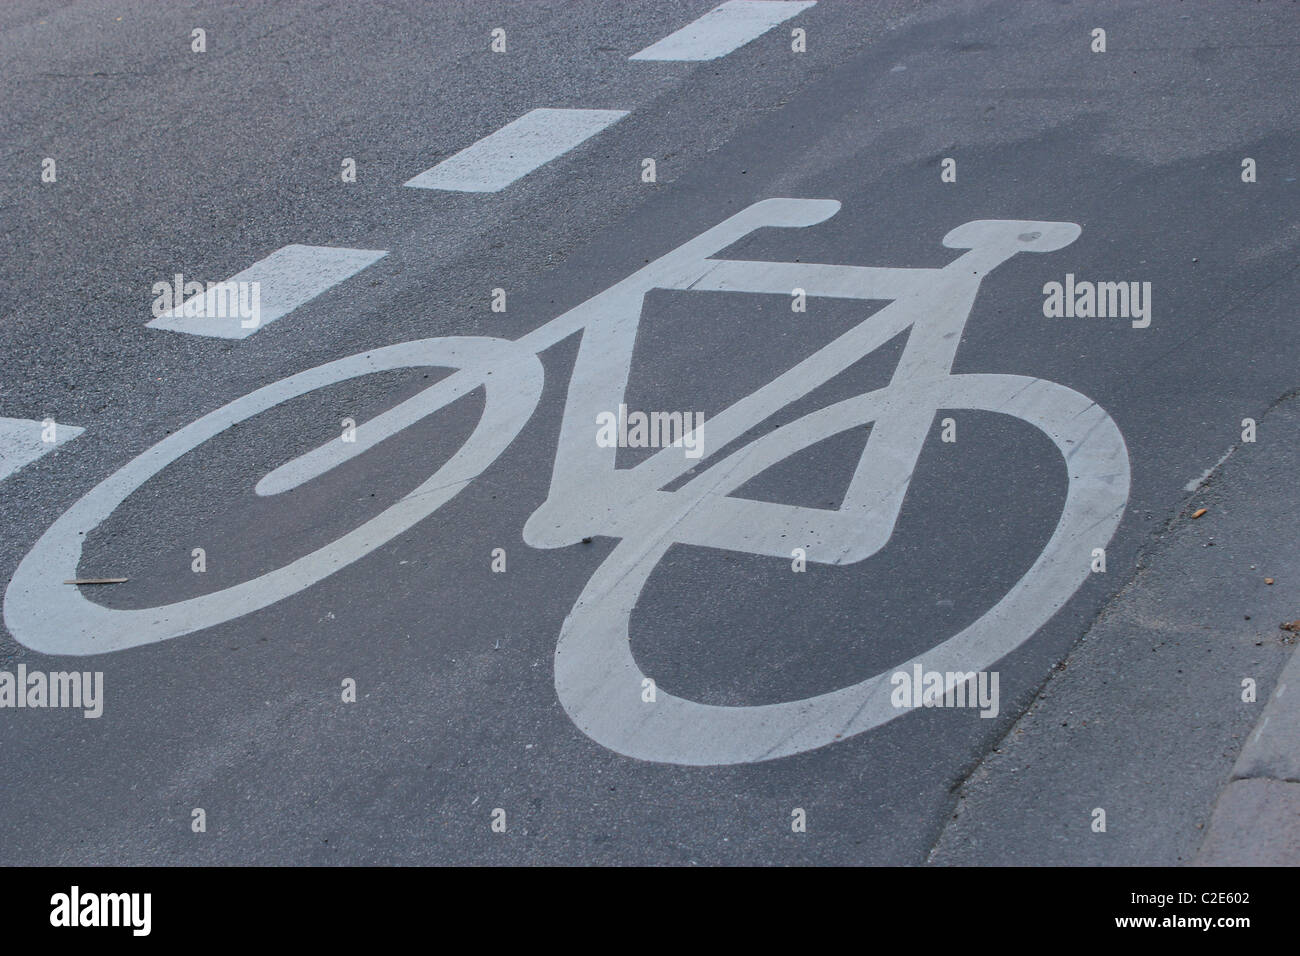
x=600 y=685
x=43 y=614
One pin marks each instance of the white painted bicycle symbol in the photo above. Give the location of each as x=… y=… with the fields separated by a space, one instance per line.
x=596 y=676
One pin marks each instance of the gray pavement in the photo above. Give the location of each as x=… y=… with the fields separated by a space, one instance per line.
x=205 y=163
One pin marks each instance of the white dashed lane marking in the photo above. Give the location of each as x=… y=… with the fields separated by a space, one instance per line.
x=723 y=29
x=286 y=279
x=515 y=150
x=22 y=441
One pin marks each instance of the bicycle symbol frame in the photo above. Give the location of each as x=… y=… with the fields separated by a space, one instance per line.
x=597 y=679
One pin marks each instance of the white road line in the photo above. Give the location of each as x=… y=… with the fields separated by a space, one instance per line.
x=22 y=442
x=286 y=279
x=1196 y=483
x=515 y=150
x=1262 y=725
x=723 y=29
x=1274 y=755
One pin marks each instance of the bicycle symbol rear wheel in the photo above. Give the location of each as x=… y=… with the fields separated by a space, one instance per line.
x=49 y=617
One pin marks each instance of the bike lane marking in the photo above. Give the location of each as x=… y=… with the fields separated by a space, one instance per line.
x=594 y=670
x=287 y=278
x=21 y=442
x=723 y=29
x=515 y=150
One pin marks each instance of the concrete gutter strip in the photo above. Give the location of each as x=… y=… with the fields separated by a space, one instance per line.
x=1256 y=820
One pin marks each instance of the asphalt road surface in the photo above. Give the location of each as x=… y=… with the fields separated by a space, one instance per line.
x=167 y=160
